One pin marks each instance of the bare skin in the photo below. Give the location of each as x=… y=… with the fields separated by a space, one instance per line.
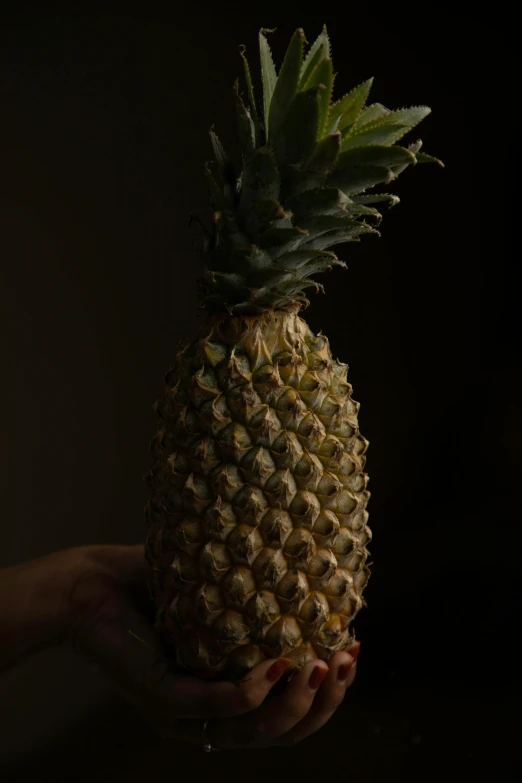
x=87 y=599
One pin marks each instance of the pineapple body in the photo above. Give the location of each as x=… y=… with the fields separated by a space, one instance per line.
x=257 y=513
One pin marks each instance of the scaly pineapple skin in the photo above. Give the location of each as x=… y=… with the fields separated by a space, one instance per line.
x=257 y=522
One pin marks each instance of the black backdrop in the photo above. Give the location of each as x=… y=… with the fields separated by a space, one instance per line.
x=103 y=137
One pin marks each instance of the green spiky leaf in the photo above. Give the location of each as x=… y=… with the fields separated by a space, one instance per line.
x=360 y=210
x=422 y=157
x=259 y=140
x=339 y=236
x=286 y=85
x=297 y=136
x=375 y=155
x=270 y=277
x=288 y=238
x=410 y=117
x=249 y=306
x=292 y=267
x=225 y=168
x=328 y=260
x=319 y=266
x=261 y=179
x=325 y=155
x=292 y=286
x=297 y=259
x=345 y=112
x=305 y=191
x=298 y=180
x=249 y=84
x=252 y=258
x=322 y=74
x=320 y=223
x=319 y=49
x=319 y=201
x=268 y=75
x=263 y=214
x=217 y=198
x=385 y=134
x=377 y=198
x=228 y=278
x=358 y=178
x=370 y=113
x=245 y=124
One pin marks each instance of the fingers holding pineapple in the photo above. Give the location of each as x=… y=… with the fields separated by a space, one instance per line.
x=304 y=706
x=280 y=715
x=307 y=702
x=191 y=697
x=341 y=674
x=265 y=726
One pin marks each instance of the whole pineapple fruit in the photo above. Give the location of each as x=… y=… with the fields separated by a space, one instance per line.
x=257 y=514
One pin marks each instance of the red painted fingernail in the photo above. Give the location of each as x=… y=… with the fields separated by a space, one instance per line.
x=345 y=669
x=316 y=677
x=355 y=649
x=277 y=668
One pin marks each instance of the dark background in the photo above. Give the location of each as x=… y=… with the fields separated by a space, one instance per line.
x=103 y=138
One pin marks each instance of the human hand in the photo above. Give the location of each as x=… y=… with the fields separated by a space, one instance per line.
x=88 y=598
x=108 y=628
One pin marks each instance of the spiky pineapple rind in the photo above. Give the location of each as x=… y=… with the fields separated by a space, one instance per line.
x=257 y=515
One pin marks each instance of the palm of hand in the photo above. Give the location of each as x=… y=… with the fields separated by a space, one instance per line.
x=107 y=626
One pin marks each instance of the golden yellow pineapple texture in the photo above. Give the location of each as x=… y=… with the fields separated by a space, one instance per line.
x=257 y=522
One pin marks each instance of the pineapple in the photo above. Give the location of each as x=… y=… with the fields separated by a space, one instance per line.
x=257 y=521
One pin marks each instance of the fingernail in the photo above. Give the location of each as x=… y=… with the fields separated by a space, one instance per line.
x=345 y=669
x=277 y=668
x=355 y=649
x=316 y=677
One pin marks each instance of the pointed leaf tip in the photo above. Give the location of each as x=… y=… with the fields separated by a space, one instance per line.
x=250 y=87
x=322 y=74
x=286 y=85
x=216 y=196
x=246 y=126
x=410 y=116
x=422 y=157
x=224 y=163
x=319 y=49
x=345 y=111
x=268 y=74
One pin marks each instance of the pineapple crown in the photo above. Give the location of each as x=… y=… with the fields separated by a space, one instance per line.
x=306 y=166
